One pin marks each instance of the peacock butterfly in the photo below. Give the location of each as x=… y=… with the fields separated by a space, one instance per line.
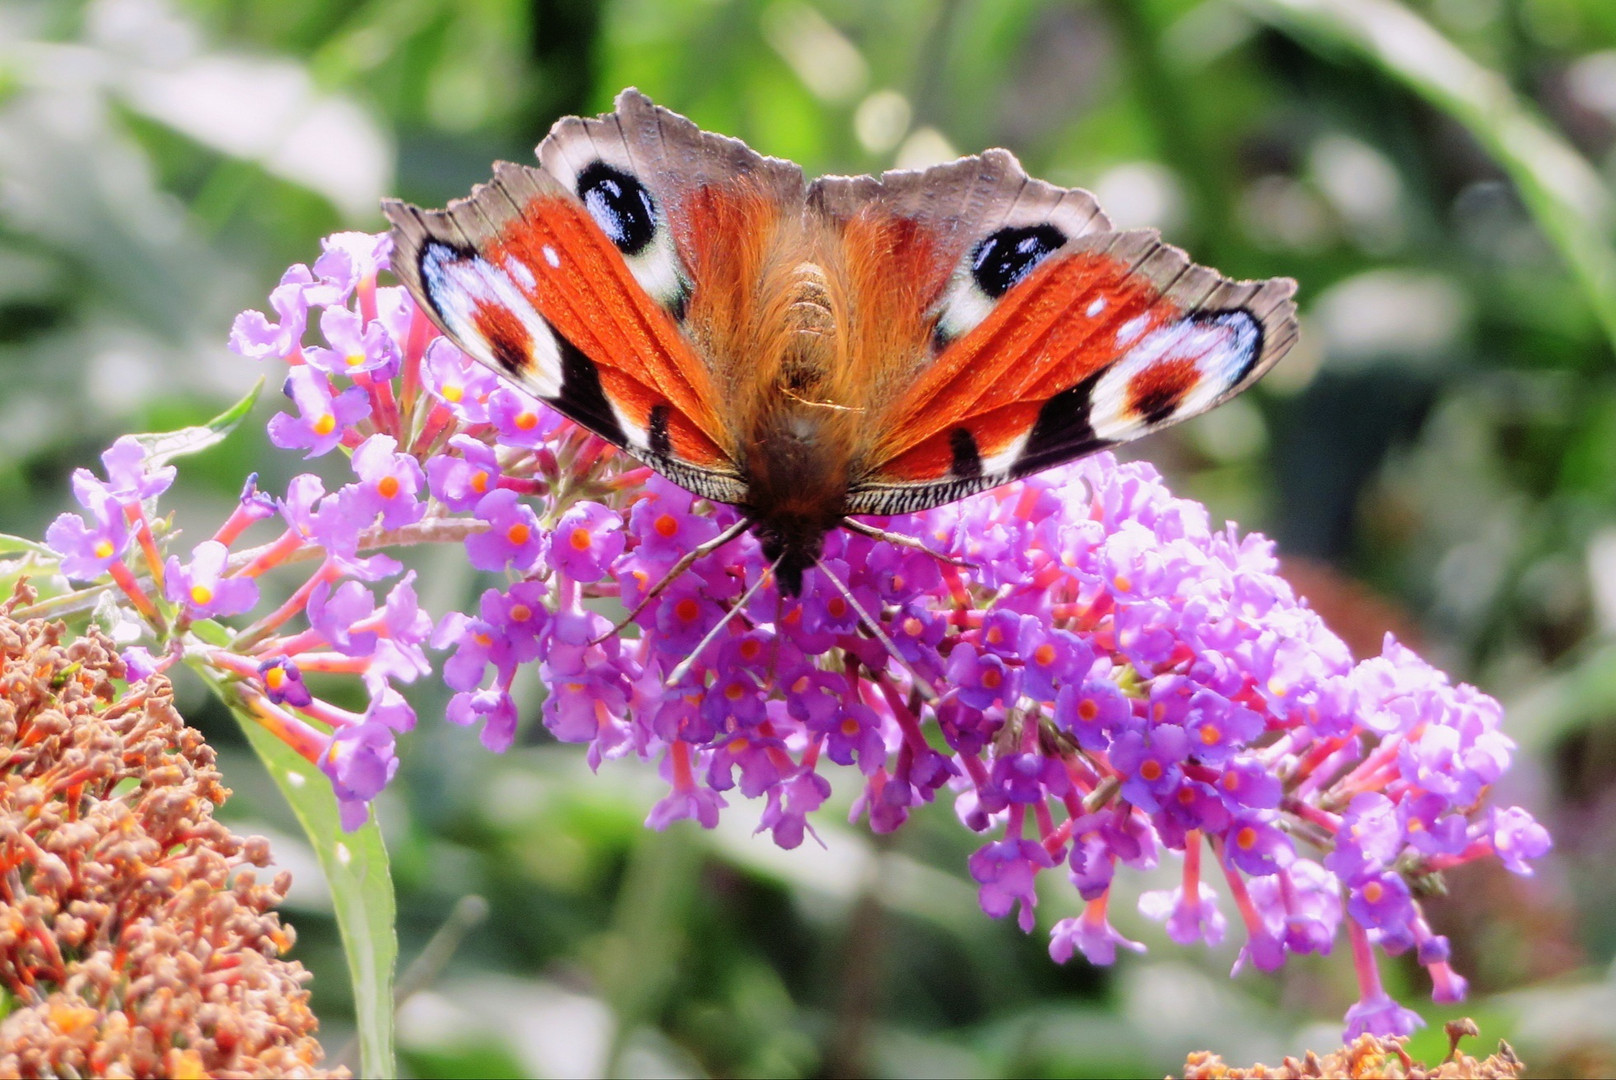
x=816 y=351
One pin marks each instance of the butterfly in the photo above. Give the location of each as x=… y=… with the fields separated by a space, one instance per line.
x=814 y=352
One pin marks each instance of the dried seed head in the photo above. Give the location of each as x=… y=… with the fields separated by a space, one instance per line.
x=131 y=943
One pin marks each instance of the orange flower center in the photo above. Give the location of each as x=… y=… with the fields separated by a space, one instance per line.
x=518 y=533
x=387 y=487
x=666 y=525
x=325 y=425
x=579 y=539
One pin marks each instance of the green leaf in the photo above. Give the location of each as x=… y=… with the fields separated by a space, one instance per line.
x=163 y=446
x=1563 y=191
x=12 y=545
x=356 y=869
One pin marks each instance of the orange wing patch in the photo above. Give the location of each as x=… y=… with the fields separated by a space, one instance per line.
x=1070 y=318
x=582 y=287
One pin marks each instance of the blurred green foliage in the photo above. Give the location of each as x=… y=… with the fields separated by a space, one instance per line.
x=1438 y=457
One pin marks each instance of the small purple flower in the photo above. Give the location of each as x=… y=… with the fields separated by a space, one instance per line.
x=1382 y=902
x=790 y=803
x=88 y=551
x=1091 y=711
x=459 y=482
x=698 y=803
x=359 y=761
x=1092 y=934
x=1053 y=660
x=586 y=540
x=321 y=416
x=1257 y=846
x=1187 y=921
x=338 y=616
x=202 y=586
x=459 y=382
x=388 y=483
x=128 y=478
x=283 y=682
x=1150 y=765
x=1369 y=838
x=513 y=537
x=1006 y=870
x=139 y=663
x=979 y=680
x=666 y=525
x=1517 y=837
x=256 y=338
x=520 y=420
x=356 y=349
x=1377 y=1014
x=494 y=708
x=348 y=259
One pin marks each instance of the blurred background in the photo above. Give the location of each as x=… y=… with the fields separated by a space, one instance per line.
x=1437 y=458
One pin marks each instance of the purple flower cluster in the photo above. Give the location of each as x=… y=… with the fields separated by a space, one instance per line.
x=1097 y=677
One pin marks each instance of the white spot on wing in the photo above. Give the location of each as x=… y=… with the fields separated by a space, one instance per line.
x=1221 y=347
x=457 y=285
x=551 y=257
x=1095 y=307
x=520 y=273
x=1128 y=331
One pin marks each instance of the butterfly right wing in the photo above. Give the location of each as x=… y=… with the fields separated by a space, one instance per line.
x=1036 y=333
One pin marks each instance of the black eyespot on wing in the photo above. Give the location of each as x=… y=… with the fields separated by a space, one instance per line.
x=1010 y=254
x=967 y=458
x=620 y=205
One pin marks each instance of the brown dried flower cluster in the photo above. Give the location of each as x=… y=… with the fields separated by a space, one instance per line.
x=1369 y=1057
x=132 y=940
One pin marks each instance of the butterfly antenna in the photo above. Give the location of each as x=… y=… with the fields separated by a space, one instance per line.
x=678 y=674
x=854 y=525
x=922 y=687
x=685 y=562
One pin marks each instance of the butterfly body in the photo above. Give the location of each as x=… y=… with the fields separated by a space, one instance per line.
x=813 y=351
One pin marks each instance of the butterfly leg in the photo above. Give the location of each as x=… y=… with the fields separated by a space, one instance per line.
x=685 y=562
x=677 y=675
x=871 y=531
x=922 y=687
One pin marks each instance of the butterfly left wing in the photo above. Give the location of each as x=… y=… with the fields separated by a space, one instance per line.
x=1041 y=335
x=589 y=280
